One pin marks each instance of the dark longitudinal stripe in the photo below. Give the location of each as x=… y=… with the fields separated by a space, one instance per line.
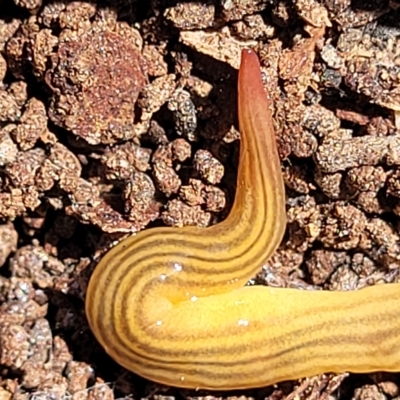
x=368 y=320
x=325 y=343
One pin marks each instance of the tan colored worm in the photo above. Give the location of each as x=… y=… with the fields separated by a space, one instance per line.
x=169 y=303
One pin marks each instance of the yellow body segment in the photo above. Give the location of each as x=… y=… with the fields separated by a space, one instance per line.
x=169 y=303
